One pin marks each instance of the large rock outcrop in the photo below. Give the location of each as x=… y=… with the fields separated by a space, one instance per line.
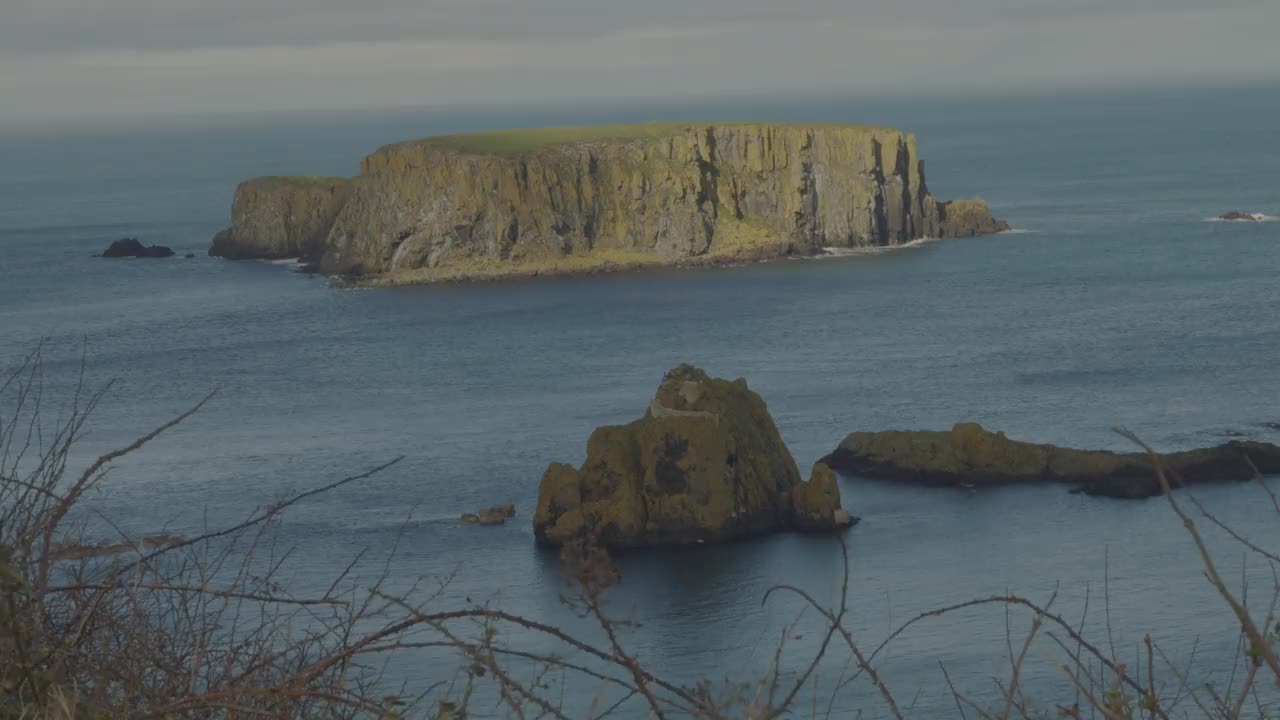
x=564 y=199
x=704 y=464
x=282 y=217
x=969 y=455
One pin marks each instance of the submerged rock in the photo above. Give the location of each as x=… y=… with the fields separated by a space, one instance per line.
x=704 y=464
x=88 y=551
x=969 y=455
x=130 y=247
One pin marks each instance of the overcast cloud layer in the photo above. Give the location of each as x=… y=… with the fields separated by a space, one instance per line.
x=87 y=59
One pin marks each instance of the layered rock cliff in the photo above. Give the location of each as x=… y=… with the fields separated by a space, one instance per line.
x=565 y=198
x=704 y=464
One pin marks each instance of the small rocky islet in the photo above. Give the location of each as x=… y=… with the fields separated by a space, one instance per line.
x=1237 y=216
x=589 y=199
x=133 y=248
x=705 y=464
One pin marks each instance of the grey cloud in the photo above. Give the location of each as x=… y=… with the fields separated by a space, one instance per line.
x=110 y=58
x=56 y=26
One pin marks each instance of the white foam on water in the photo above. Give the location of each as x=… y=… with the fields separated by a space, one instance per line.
x=1018 y=231
x=828 y=253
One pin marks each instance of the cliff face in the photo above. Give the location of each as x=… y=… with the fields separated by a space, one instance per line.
x=282 y=217
x=666 y=193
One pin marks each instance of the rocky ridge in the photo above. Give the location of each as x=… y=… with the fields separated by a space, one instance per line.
x=970 y=456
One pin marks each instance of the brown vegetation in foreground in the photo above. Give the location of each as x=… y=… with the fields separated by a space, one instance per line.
x=199 y=627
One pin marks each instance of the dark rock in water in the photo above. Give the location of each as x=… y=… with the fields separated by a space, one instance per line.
x=88 y=551
x=968 y=454
x=496 y=515
x=1236 y=215
x=189 y=255
x=1271 y=425
x=130 y=247
x=704 y=464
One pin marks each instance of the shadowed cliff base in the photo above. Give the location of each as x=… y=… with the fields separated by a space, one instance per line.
x=970 y=456
x=550 y=201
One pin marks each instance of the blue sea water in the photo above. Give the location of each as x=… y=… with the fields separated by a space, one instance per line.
x=1114 y=303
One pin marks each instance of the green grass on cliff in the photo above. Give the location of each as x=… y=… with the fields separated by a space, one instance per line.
x=515 y=141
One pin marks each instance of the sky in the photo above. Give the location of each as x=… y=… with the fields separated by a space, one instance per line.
x=109 y=59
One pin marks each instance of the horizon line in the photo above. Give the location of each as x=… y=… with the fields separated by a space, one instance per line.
x=252 y=117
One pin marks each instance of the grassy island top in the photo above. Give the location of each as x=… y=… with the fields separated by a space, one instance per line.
x=516 y=141
x=299 y=181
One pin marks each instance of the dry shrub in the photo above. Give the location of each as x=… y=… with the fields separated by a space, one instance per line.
x=169 y=627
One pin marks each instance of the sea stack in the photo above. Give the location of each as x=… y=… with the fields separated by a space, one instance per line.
x=705 y=464
x=555 y=200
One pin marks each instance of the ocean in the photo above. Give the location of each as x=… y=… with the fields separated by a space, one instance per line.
x=1113 y=303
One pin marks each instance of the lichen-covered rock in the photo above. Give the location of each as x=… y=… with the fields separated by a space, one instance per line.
x=969 y=455
x=704 y=464
x=562 y=200
x=282 y=217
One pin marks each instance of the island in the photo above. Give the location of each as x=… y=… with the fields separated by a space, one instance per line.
x=588 y=199
x=970 y=456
